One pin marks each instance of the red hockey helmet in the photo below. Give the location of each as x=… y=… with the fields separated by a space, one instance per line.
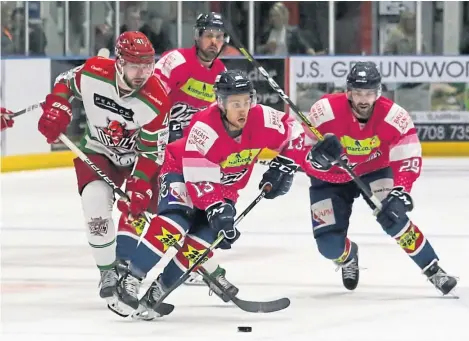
x=134 y=47
x=135 y=59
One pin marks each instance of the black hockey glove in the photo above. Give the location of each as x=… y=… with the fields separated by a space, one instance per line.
x=221 y=219
x=175 y=131
x=279 y=175
x=395 y=206
x=326 y=152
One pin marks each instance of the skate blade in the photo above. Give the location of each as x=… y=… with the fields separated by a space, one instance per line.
x=145 y=314
x=118 y=307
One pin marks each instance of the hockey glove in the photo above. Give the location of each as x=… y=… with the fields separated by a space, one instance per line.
x=175 y=131
x=395 y=206
x=56 y=116
x=221 y=219
x=279 y=175
x=139 y=192
x=326 y=152
x=5 y=119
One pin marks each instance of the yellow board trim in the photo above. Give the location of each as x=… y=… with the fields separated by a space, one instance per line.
x=65 y=159
x=37 y=161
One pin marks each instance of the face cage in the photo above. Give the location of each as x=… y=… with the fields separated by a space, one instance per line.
x=221 y=100
x=199 y=30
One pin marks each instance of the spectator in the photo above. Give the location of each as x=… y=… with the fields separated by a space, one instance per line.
x=132 y=19
x=37 y=38
x=402 y=39
x=153 y=29
x=281 y=39
x=8 y=47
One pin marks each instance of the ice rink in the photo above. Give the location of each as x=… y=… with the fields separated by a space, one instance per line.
x=49 y=283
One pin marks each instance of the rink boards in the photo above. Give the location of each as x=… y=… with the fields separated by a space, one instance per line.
x=439 y=104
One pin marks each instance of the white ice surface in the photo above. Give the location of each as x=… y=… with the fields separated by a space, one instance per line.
x=49 y=281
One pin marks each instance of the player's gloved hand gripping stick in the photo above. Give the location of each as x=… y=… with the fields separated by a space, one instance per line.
x=249 y=306
x=303 y=118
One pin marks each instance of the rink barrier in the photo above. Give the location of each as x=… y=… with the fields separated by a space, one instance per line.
x=65 y=158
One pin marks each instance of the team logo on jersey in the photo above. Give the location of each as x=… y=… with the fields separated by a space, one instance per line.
x=229 y=179
x=115 y=135
x=106 y=103
x=360 y=147
x=242 y=158
x=200 y=90
x=181 y=115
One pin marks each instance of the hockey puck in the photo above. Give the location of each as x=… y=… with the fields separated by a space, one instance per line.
x=245 y=329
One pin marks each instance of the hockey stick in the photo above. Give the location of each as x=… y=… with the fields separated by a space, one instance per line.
x=166 y=308
x=304 y=119
x=248 y=306
x=163 y=309
x=101 y=53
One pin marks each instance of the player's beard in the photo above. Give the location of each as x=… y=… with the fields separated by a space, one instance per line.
x=363 y=111
x=209 y=54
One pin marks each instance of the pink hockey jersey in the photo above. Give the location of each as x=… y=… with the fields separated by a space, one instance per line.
x=188 y=83
x=216 y=166
x=389 y=138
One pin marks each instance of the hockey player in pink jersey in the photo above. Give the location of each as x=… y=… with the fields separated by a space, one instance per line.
x=378 y=140
x=201 y=177
x=188 y=75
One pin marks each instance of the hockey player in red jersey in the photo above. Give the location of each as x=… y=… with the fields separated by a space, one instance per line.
x=126 y=112
x=377 y=139
x=6 y=121
x=200 y=180
x=188 y=75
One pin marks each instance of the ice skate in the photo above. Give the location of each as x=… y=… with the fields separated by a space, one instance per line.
x=148 y=308
x=350 y=273
x=439 y=278
x=219 y=276
x=127 y=291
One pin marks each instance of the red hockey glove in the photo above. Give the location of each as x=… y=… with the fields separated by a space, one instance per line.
x=5 y=119
x=139 y=192
x=56 y=116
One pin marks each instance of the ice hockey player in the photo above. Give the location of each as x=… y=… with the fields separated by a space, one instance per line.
x=378 y=140
x=126 y=113
x=200 y=180
x=188 y=75
x=6 y=120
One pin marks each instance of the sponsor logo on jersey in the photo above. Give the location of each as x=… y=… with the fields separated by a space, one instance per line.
x=199 y=90
x=360 y=147
x=242 y=158
x=192 y=254
x=178 y=194
x=201 y=138
x=106 y=103
x=115 y=135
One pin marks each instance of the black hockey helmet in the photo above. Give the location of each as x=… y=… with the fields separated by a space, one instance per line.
x=233 y=82
x=210 y=20
x=364 y=75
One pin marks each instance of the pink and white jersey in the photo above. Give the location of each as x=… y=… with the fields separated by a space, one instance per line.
x=188 y=83
x=215 y=165
x=389 y=138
